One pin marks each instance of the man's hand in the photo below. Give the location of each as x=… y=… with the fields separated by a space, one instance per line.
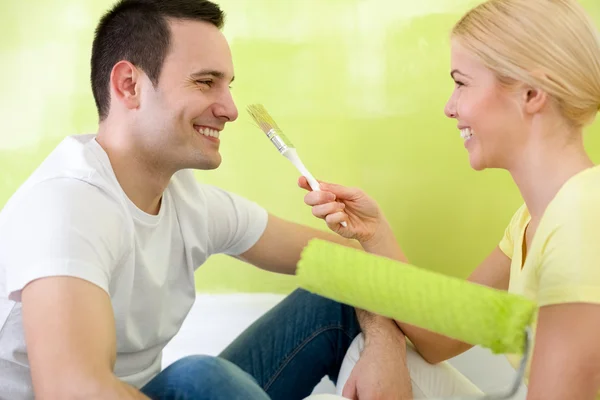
x=381 y=372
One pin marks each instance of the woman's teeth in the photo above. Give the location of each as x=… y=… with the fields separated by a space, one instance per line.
x=208 y=132
x=466 y=133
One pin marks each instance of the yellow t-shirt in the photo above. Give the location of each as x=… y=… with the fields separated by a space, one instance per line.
x=562 y=264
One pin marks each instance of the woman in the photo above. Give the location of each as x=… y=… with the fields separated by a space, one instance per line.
x=527 y=76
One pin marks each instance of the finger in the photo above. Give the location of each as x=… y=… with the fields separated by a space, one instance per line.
x=340 y=191
x=336 y=218
x=303 y=183
x=317 y=198
x=323 y=210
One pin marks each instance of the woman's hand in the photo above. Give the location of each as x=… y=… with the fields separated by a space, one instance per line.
x=335 y=204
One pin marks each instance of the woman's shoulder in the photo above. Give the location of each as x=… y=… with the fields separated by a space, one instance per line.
x=520 y=218
x=578 y=199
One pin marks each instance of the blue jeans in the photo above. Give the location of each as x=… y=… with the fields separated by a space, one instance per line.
x=282 y=356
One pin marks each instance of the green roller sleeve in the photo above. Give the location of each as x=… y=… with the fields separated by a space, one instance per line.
x=450 y=306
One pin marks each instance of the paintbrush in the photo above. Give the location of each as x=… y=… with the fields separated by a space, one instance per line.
x=285 y=147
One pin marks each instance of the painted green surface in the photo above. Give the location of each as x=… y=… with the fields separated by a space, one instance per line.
x=358 y=85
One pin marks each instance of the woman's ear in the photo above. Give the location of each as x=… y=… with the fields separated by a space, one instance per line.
x=534 y=100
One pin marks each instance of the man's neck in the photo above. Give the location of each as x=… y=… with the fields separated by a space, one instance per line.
x=142 y=180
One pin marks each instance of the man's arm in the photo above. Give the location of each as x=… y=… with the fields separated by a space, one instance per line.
x=280 y=246
x=71 y=341
x=382 y=371
x=279 y=250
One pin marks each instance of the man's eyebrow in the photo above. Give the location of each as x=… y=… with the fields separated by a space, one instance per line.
x=211 y=72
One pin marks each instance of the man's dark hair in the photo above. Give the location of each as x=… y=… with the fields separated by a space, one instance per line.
x=138 y=31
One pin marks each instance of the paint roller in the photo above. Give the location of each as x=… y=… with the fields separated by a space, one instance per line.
x=462 y=310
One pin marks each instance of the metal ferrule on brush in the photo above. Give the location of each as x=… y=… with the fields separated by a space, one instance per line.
x=280 y=141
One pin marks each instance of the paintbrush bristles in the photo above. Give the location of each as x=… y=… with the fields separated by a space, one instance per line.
x=260 y=115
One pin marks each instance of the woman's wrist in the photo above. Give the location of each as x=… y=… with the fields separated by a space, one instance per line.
x=383 y=243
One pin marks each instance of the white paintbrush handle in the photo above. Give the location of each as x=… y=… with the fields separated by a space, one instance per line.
x=292 y=155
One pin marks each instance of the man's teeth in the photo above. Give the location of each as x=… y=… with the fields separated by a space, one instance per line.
x=208 y=132
x=466 y=133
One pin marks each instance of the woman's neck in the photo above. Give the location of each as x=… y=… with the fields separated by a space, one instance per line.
x=544 y=168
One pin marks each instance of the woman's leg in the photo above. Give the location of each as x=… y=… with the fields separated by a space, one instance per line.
x=428 y=381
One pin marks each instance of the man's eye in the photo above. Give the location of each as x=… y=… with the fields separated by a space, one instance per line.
x=207 y=83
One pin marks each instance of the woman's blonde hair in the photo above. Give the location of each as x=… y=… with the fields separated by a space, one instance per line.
x=548 y=44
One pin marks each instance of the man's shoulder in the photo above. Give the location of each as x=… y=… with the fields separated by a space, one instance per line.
x=75 y=163
x=77 y=156
x=73 y=175
x=206 y=201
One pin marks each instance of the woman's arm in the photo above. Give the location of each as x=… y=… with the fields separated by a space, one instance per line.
x=566 y=358
x=494 y=272
x=367 y=224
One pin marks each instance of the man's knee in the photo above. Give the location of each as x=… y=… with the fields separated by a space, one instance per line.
x=204 y=377
x=203 y=367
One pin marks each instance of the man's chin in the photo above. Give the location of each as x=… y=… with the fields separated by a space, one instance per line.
x=207 y=165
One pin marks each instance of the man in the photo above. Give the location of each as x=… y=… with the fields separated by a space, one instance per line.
x=99 y=246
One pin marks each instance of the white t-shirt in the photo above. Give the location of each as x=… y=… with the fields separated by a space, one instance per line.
x=72 y=218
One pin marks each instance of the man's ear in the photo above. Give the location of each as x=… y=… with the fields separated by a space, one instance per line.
x=124 y=82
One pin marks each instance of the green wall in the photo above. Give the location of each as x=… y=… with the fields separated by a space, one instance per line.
x=358 y=85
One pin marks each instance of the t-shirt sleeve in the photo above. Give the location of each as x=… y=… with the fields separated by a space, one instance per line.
x=507 y=245
x=569 y=271
x=234 y=223
x=59 y=227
